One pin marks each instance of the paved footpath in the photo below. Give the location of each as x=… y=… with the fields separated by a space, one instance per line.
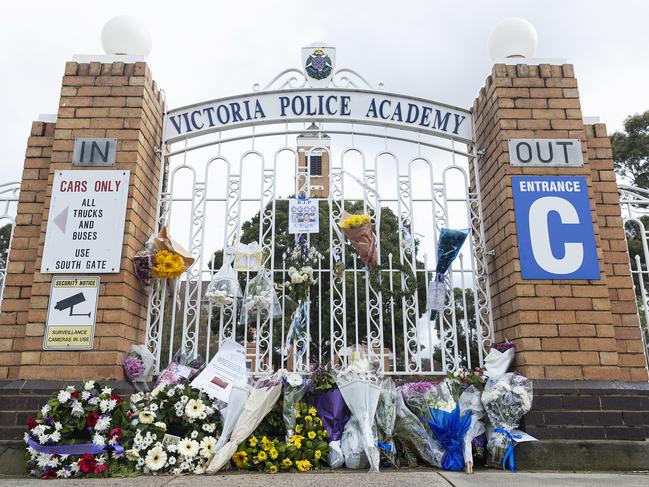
x=402 y=478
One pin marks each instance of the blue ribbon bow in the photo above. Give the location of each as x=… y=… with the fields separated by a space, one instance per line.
x=78 y=449
x=508 y=459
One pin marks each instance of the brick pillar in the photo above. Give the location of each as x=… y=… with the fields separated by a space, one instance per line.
x=563 y=329
x=24 y=246
x=115 y=100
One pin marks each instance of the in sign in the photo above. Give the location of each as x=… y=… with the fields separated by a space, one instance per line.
x=545 y=152
x=94 y=152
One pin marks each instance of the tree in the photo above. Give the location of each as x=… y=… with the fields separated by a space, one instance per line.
x=390 y=244
x=631 y=149
x=5 y=240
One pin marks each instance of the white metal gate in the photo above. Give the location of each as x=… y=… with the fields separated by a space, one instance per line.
x=233 y=185
x=635 y=215
x=9 y=193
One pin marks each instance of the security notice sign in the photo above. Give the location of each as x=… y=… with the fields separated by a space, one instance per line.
x=71 y=313
x=85 y=227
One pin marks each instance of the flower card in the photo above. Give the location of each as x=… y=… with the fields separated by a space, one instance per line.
x=228 y=367
x=303 y=216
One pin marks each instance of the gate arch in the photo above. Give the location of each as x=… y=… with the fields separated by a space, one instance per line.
x=346 y=310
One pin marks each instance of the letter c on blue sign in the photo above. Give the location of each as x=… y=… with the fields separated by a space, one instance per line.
x=540 y=236
x=554 y=226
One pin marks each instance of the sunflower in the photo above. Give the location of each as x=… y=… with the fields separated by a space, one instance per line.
x=240 y=459
x=261 y=456
x=297 y=441
x=253 y=441
x=313 y=411
x=271 y=468
x=303 y=465
x=287 y=462
x=273 y=454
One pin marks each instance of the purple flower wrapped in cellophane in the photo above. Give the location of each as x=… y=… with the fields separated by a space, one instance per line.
x=334 y=414
x=137 y=364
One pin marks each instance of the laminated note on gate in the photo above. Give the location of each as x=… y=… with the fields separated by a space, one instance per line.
x=228 y=367
x=436 y=293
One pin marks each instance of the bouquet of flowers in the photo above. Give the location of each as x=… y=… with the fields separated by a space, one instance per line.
x=78 y=433
x=258 y=404
x=301 y=258
x=333 y=411
x=161 y=258
x=303 y=451
x=506 y=400
x=260 y=297
x=181 y=368
x=411 y=432
x=360 y=387
x=386 y=415
x=176 y=428
x=358 y=230
x=448 y=247
x=422 y=396
x=450 y=429
x=137 y=364
x=470 y=400
x=499 y=358
x=295 y=387
x=224 y=287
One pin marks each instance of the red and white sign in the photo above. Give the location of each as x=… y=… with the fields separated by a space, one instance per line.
x=85 y=228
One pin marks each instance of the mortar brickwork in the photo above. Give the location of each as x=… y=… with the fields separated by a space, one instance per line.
x=97 y=100
x=563 y=329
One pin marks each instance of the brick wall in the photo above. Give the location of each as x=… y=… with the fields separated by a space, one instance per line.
x=593 y=410
x=24 y=245
x=563 y=329
x=630 y=352
x=97 y=100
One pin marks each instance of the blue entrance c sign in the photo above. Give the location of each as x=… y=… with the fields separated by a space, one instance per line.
x=556 y=239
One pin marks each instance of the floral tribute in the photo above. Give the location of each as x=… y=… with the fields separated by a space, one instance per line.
x=305 y=450
x=358 y=229
x=175 y=430
x=78 y=433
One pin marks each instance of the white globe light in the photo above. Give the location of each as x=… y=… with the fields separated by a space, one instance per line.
x=514 y=37
x=126 y=35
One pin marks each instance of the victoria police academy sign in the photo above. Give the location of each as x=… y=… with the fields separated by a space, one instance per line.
x=334 y=105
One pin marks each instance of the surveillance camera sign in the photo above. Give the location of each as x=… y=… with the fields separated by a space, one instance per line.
x=71 y=313
x=85 y=227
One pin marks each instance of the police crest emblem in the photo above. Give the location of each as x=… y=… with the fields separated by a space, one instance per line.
x=318 y=61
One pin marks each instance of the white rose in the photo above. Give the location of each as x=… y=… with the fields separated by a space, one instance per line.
x=294 y=380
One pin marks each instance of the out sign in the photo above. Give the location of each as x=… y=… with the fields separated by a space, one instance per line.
x=545 y=152
x=556 y=238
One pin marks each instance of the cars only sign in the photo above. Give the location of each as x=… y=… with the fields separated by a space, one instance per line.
x=556 y=238
x=85 y=228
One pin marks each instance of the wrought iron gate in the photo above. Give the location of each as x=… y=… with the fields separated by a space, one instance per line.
x=635 y=215
x=234 y=186
x=9 y=193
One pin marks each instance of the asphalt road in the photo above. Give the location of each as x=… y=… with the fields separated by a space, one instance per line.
x=346 y=478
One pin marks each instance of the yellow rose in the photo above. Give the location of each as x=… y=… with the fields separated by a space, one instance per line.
x=298 y=428
x=311 y=434
x=308 y=419
x=317 y=454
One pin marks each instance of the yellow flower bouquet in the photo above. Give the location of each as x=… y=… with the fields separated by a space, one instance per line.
x=161 y=258
x=303 y=451
x=358 y=230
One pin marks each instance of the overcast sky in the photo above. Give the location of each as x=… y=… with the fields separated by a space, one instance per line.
x=432 y=49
